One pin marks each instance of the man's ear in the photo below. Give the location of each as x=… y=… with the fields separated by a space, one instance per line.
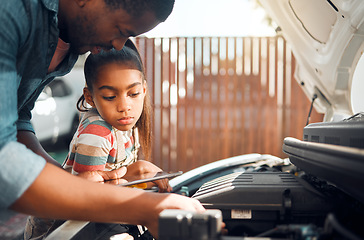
x=88 y=97
x=81 y=3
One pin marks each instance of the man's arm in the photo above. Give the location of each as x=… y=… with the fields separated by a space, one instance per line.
x=59 y=195
x=31 y=142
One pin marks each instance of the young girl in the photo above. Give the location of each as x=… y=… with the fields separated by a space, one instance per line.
x=115 y=124
x=117 y=120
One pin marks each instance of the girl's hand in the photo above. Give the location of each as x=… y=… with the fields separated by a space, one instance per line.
x=142 y=169
x=163 y=185
x=110 y=177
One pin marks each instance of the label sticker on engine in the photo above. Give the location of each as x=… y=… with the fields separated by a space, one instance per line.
x=241 y=214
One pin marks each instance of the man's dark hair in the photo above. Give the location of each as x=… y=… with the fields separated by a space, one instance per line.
x=161 y=8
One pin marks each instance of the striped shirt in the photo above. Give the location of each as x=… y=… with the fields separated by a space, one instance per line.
x=97 y=145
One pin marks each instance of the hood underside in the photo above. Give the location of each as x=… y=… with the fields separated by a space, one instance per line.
x=327 y=39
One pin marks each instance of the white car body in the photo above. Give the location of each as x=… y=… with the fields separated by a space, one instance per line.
x=55 y=114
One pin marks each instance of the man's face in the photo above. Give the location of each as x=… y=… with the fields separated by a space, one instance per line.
x=96 y=27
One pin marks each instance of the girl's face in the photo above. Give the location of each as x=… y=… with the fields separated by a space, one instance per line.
x=118 y=95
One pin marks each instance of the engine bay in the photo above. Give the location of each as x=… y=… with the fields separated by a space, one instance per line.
x=278 y=202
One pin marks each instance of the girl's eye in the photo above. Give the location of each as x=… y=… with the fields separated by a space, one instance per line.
x=135 y=94
x=109 y=98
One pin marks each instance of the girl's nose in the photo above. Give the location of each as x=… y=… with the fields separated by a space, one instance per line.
x=118 y=43
x=124 y=105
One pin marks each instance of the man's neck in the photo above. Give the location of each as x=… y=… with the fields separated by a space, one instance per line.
x=61 y=20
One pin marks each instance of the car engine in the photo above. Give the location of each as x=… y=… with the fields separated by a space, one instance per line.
x=271 y=204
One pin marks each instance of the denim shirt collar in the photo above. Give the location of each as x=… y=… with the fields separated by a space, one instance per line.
x=51 y=5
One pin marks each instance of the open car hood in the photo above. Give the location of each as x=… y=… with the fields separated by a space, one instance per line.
x=327 y=39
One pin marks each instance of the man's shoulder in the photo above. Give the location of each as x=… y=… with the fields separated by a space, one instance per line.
x=28 y=6
x=18 y=10
x=24 y=15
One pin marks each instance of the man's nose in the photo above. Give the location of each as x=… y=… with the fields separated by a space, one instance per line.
x=118 y=43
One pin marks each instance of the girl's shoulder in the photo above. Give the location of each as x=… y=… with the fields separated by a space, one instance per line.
x=92 y=121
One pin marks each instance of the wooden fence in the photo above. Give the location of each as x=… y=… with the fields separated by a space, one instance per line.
x=216 y=98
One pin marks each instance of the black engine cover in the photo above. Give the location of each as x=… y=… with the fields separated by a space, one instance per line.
x=258 y=201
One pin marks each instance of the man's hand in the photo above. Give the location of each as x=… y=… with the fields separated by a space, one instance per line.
x=111 y=177
x=169 y=201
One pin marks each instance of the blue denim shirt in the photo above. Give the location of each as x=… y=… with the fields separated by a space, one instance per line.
x=28 y=39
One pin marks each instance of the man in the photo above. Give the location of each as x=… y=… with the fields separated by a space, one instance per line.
x=41 y=39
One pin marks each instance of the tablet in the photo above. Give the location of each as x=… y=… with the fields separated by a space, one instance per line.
x=158 y=176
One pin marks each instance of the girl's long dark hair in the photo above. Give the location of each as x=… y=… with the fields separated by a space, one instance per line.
x=127 y=57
